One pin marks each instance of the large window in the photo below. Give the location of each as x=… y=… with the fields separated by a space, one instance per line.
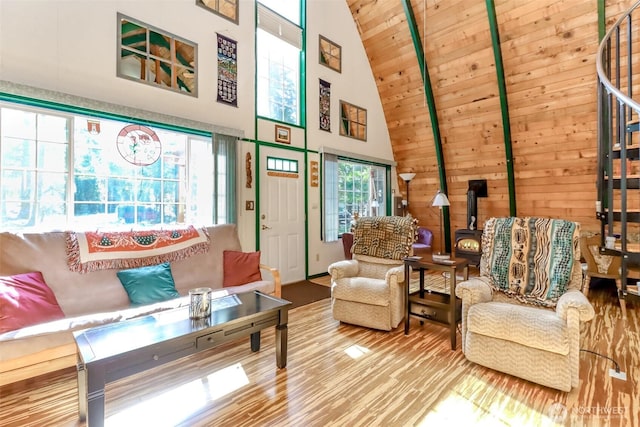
x=351 y=189
x=279 y=47
x=61 y=170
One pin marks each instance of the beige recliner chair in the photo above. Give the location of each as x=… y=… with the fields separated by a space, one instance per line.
x=522 y=315
x=368 y=290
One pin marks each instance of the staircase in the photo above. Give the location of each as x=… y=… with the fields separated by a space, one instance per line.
x=618 y=181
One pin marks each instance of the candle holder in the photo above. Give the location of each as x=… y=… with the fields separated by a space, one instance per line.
x=200 y=303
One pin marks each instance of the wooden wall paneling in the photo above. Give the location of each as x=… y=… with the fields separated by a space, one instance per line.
x=419 y=43
x=548 y=50
x=562 y=56
x=504 y=105
x=466 y=93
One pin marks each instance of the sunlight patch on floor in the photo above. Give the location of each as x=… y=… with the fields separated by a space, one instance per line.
x=356 y=351
x=461 y=407
x=179 y=403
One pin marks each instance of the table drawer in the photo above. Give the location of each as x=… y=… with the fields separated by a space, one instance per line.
x=210 y=340
x=437 y=314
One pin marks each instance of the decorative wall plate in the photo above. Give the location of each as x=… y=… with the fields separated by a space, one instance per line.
x=139 y=145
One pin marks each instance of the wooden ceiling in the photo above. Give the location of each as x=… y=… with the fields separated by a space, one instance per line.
x=548 y=53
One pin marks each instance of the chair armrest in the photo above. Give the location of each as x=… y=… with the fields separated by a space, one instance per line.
x=474 y=290
x=275 y=273
x=346 y=268
x=398 y=272
x=574 y=299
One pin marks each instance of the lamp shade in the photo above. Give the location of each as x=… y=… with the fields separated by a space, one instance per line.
x=440 y=199
x=407 y=176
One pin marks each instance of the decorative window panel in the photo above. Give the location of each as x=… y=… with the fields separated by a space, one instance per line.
x=330 y=54
x=155 y=57
x=228 y=9
x=353 y=121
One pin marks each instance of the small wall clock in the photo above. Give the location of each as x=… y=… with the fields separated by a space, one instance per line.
x=139 y=145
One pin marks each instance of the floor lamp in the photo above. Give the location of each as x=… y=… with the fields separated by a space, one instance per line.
x=407 y=177
x=439 y=201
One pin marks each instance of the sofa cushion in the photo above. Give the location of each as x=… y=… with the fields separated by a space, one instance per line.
x=240 y=268
x=529 y=258
x=25 y=299
x=147 y=285
x=529 y=326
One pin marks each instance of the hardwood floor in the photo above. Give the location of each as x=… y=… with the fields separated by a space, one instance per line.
x=343 y=375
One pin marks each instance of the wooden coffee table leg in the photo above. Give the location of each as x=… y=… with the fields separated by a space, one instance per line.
x=255 y=341
x=282 y=333
x=82 y=391
x=95 y=395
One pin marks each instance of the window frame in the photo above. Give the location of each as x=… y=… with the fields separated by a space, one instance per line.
x=331 y=209
x=350 y=125
x=173 y=62
x=221 y=210
x=217 y=7
x=329 y=50
x=271 y=24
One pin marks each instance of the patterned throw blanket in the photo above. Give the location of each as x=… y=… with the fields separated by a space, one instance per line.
x=387 y=237
x=530 y=258
x=103 y=250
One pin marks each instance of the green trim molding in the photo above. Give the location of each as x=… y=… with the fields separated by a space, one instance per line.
x=43 y=98
x=504 y=104
x=431 y=103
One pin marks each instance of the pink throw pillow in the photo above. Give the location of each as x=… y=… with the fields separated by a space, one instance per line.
x=25 y=300
x=240 y=268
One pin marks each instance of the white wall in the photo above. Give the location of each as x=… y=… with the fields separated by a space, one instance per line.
x=71 y=47
x=355 y=85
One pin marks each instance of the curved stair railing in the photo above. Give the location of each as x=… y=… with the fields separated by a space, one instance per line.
x=618 y=181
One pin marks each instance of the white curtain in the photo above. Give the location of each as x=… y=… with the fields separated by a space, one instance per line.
x=330 y=198
x=224 y=151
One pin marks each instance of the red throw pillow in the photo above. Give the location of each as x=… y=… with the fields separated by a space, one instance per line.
x=241 y=268
x=25 y=300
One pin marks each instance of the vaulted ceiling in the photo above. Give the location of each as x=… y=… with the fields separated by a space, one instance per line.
x=510 y=97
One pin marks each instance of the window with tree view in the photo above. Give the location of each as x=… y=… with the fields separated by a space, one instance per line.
x=351 y=189
x=279 y=47
x=59 y=170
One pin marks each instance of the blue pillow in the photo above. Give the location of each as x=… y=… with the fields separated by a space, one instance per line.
x=147 y=285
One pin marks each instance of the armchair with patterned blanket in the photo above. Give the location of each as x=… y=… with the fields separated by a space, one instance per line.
x=522 y=315
x=368 y=289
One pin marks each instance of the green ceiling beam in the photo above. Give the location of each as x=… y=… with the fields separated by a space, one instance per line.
x=602 y=17
x=504 y=104
x=431 y=103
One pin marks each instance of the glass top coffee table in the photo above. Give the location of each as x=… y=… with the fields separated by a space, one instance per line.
x=117 y=350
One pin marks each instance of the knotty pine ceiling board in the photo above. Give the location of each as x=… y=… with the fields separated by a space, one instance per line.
x=555 y=87
x=548 y=51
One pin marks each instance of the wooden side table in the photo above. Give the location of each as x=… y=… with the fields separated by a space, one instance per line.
x=434 y=306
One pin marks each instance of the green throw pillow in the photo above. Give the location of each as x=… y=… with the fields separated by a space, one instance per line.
x=147 y=285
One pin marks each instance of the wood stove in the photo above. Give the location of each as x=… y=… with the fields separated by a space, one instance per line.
x=469 y=240
x=468 y=245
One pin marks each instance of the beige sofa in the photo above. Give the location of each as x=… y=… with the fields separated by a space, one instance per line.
x=97 y=297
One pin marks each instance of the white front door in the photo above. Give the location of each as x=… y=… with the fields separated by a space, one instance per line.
x=282 y=222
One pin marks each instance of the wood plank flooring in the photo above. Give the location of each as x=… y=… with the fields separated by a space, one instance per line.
x=343 y=375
